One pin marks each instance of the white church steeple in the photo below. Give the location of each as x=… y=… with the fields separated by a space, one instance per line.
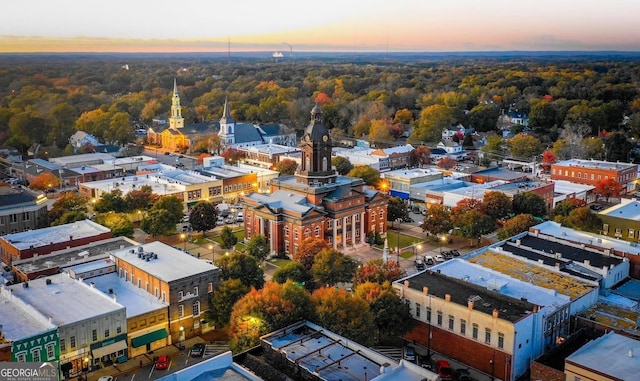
x=227 y=125
x=176 y=120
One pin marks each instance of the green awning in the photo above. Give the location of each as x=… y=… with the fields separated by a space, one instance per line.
x=149 y=338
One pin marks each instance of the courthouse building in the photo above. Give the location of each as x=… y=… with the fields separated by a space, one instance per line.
x=315 y=202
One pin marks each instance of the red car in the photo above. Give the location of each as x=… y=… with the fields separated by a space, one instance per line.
x=163 y=362
x=444 y=370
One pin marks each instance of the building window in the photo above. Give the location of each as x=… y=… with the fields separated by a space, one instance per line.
x=605 y=228
x=35 y=355
x=592 y=176
x=381 y=227
x=63 y=345
x=180 y=311
x=418 y=310
x=439 y=318
x=317 y=231
x=195 y=291
x=382 y=215
x=428 y=314
x=209 y=287
x=618 y=232
x=21 y=357
x=474 y=331
x=13 y=218
x=357 y=218
x=147 y=287
x=487 y=336
x=286 y=231
x=451 y=322
x=463 y=327
x=164 y=296
x=295 y=234
x=180 y=295
x=94 y=335
x=196 y=308
x=307 y=233
x=118 y=330
x=156 y=293
x=72 y=341
x=106 y=333
x=632 y=233
x=500 y=340
x=51 y=351
x=139 y=282
x=579 y=175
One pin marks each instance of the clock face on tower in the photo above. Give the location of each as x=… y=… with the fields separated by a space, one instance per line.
x=325 y=138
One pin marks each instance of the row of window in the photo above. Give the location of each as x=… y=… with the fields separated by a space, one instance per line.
x=631 y=233
x=36 y=355
x=14 y=218
x=236 y=187
x=475 y=329
x=585 y=175
x=195 y=306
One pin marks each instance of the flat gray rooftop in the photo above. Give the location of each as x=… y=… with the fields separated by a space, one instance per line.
x=56 y=234
x=608 y=355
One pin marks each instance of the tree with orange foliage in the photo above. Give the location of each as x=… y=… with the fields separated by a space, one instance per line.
x=446 y=163
x=44 y=181
x=343 y=313
x=307 y=250
x=609 y=188
x=232 y=155
x=548 y=158
x=286 y=167
x=379 y=272
x=420 y=155
x=322 y=99
x=465 y=205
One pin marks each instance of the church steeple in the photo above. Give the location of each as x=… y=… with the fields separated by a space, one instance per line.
x=316 y=145
x=176 y=120
x=227 y=125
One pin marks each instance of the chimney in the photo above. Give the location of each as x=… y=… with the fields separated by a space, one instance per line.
x=587 y=262
x=70 y=238
x=406 y=283
x=447 y=297
x=630 y=353
x=425 y=290
x=470 y=304
x=495 y=313
x=518 y=242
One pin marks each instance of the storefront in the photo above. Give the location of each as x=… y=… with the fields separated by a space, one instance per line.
x=109 y=351
x=149 y=341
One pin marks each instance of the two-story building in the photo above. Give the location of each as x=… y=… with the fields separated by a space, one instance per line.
x=400 y=181
x=591 y=172
x=21 y=209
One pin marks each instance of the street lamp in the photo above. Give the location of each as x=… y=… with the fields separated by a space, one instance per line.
x=416 y=249
x=183 y=236
x=85 y=367
x=443 y=240
x=139 y=215
x=213 y=254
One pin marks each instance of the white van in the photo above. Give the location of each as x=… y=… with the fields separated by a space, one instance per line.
x=240 y=217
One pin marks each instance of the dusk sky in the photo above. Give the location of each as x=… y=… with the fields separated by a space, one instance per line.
x=329 y=25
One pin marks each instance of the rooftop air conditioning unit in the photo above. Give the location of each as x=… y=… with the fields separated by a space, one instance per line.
x=140 y=249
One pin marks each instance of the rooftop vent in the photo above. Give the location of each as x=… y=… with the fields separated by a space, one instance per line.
x=25 y=285
x=48 y=281
x=140 y=249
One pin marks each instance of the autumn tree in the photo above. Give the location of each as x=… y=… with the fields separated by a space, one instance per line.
x=286 y=167
x=433 y=119
x=404 y=116
x=583 y=219
x=378 y=271
x=472 y=224
x=140 y=199
x=203 y=217
x=307 y=251
x=371 y=176
x=44 y=181
x=331 y=266
x=563 y=208
x=548 y=159
x=609 y=188
x=223 y=299
x=342 y=164
x=293 y=271
x=516 y=225
x=396 y=208
x=446 y=163
x=242 y=267
x=380 y=131
x=529 y=203
x=70 y=202
x=524 y=146
x=232 y=155
x=437 y=220
x=262 y=311
x=343 y=313
x=592 y=148
x=420 y=156
x=258 y=247
x=496 y=204
x=465 y=205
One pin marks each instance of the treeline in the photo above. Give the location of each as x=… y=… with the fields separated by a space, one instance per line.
x=45 y=100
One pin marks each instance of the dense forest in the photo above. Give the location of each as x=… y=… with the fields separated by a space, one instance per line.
x=44 y=99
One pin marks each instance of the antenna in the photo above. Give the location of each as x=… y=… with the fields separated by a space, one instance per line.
x=290 y=48
x=228 y=49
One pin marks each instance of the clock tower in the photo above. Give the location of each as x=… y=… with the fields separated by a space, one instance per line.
x=316 y=144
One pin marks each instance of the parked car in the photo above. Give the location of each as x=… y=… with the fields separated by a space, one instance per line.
x=443 y=369
x=420 y=266
x=220 y=221
x=439 y=258
x=162 y=362
x=240 y=217
x=429 y=260
x=462 y=375
x=447 y=255
x=106 y=378
x=197 y=350
x=229 y=220
x=185 y=218
x=455 y=253
x=410 y=354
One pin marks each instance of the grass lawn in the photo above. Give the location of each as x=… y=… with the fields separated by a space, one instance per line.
x=405 y=240
x=239 y=235
x=279 y=262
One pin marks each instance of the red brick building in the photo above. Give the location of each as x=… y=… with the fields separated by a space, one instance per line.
x=590 y=172
x=315 y=202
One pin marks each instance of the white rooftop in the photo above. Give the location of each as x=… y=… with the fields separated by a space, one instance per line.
x=282 y=199
x=555 y=229
x=595 y=164
x=627 y=209
x=66 y=161
x=568 y=187
x=57 y=234
x=476 y=190
x=20 y=320
x=136 y=300
x=499 y=282
x=134 y=159
x=65 y=300
x=171 y=264
x=411 y=173
x=270 y=148
x=609 y=355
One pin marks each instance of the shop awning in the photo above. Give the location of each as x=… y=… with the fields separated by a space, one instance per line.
x=149 y=338
x=402 y=195
x=109 y=349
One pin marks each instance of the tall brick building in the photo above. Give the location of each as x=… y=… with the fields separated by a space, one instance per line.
x=590 y=172
x=315 y=202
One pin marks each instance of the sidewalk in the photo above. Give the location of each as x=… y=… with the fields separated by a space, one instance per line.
x=133 y=364
x=455 y=364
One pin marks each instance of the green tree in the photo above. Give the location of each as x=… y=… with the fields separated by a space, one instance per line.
x=70 y=202
x=293 y=271
x=331 y=266
x=433 y=119
x=119 y=223
x=223 y=299
x=140 y=199
x=592 y=148
x=565 y=207
x=258 y=247
x=307 y=251
x=496 y=204
x=391 y=314
x=111 y=202
x=203 y=217
x=173 y=206
x=342 y=164
x=344 y=314
x=524 y=146
x=242 y=267
x=616 y=148
x=529 y=203
x=227 y=237
x=370 y=175
x=69 y=217
x=437 y=220
x=583 y=219
x=473 y=224
x=484 y=117
x=516 y=225
x=286 y=167
x=396 y=208
x=494 y=149
x=157 y=222
x=542 y=116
